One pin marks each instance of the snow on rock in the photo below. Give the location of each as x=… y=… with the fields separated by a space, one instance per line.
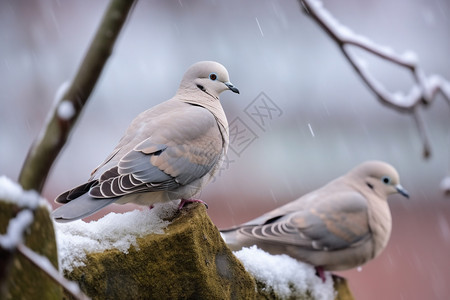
x=12 y=192
x=16 y=229
x=285 y=275
x=113 y=231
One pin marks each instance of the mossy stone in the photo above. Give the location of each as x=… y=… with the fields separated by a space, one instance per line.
x=189 y=261
x=342 y=289
x=23 y=279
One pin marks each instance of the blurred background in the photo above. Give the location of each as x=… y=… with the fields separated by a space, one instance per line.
x=316 y=118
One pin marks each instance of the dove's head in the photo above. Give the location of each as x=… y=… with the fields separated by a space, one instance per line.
x=208 y=77
x=380 y=177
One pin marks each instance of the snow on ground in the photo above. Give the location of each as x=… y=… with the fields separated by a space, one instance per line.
x=113 y=231
x=286 y=276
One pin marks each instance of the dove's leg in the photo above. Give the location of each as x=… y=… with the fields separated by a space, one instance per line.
x=184 y=201
x=321 y=273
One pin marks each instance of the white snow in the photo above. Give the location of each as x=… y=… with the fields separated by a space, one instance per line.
x=435 y=81
x=113 y=231
x=29 y=200
x=311 y=130
x=411 y=57
x=259 y=26
x=66 y=111
x=16 y=229
x=12 y=192
x=283 y=274
x=61 y=91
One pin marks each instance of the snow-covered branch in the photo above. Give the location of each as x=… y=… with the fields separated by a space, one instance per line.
x=424 y=90
x=70 y=103
x=422 y=93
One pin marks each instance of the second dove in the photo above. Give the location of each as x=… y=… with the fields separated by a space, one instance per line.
x=339 y=226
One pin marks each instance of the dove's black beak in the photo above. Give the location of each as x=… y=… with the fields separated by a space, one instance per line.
x=232 y=87
x=402 y=191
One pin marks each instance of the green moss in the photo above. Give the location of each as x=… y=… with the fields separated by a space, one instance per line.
x=24 y=280
x=341 y=287
x=189 y=261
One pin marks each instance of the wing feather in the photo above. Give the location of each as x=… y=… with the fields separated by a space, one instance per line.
x=341 y=224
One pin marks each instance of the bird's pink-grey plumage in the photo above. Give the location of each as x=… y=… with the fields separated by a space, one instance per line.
x=168 y=152
x=340 y=226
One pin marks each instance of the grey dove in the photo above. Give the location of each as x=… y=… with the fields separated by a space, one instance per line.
x=339 y=226
x=168 y=152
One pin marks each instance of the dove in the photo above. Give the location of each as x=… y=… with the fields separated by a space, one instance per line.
x=168 y=152
x=339 y=226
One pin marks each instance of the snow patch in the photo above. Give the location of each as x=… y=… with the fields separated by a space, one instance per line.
x=16 y=229
x=12 y=192
x=113 y=231
x=411 y=57
x=286 y=276
x=61 y=91
x=66 y=110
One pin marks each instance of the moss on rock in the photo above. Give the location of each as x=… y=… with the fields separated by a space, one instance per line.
x=23 y=279
x=189 y=261
x=341 y=287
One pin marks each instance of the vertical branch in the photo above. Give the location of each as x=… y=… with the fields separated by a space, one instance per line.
x=61 y=120
x=422 y=132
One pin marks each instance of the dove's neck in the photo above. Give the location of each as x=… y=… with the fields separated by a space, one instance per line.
x=212 y=104
x=380 y=223
x=380 y=220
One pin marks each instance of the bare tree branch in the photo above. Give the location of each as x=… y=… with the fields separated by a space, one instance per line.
x=424 y=90
x=61 y=120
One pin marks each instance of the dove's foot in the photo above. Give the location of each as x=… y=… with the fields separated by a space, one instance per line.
x=184 y=201
x=321 y=273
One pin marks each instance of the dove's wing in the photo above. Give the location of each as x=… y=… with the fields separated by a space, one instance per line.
x=171 y=157
x=340 y=221
x=182 y=147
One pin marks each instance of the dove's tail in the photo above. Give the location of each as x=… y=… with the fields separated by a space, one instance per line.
x=79 y=208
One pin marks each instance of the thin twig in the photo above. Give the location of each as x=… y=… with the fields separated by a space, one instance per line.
x=422 y=133
x=47 y=146
x=46 y=266
x=424 y=90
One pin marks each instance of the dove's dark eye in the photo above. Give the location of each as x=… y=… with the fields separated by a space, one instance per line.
x=213 y=76
x=386 y=179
